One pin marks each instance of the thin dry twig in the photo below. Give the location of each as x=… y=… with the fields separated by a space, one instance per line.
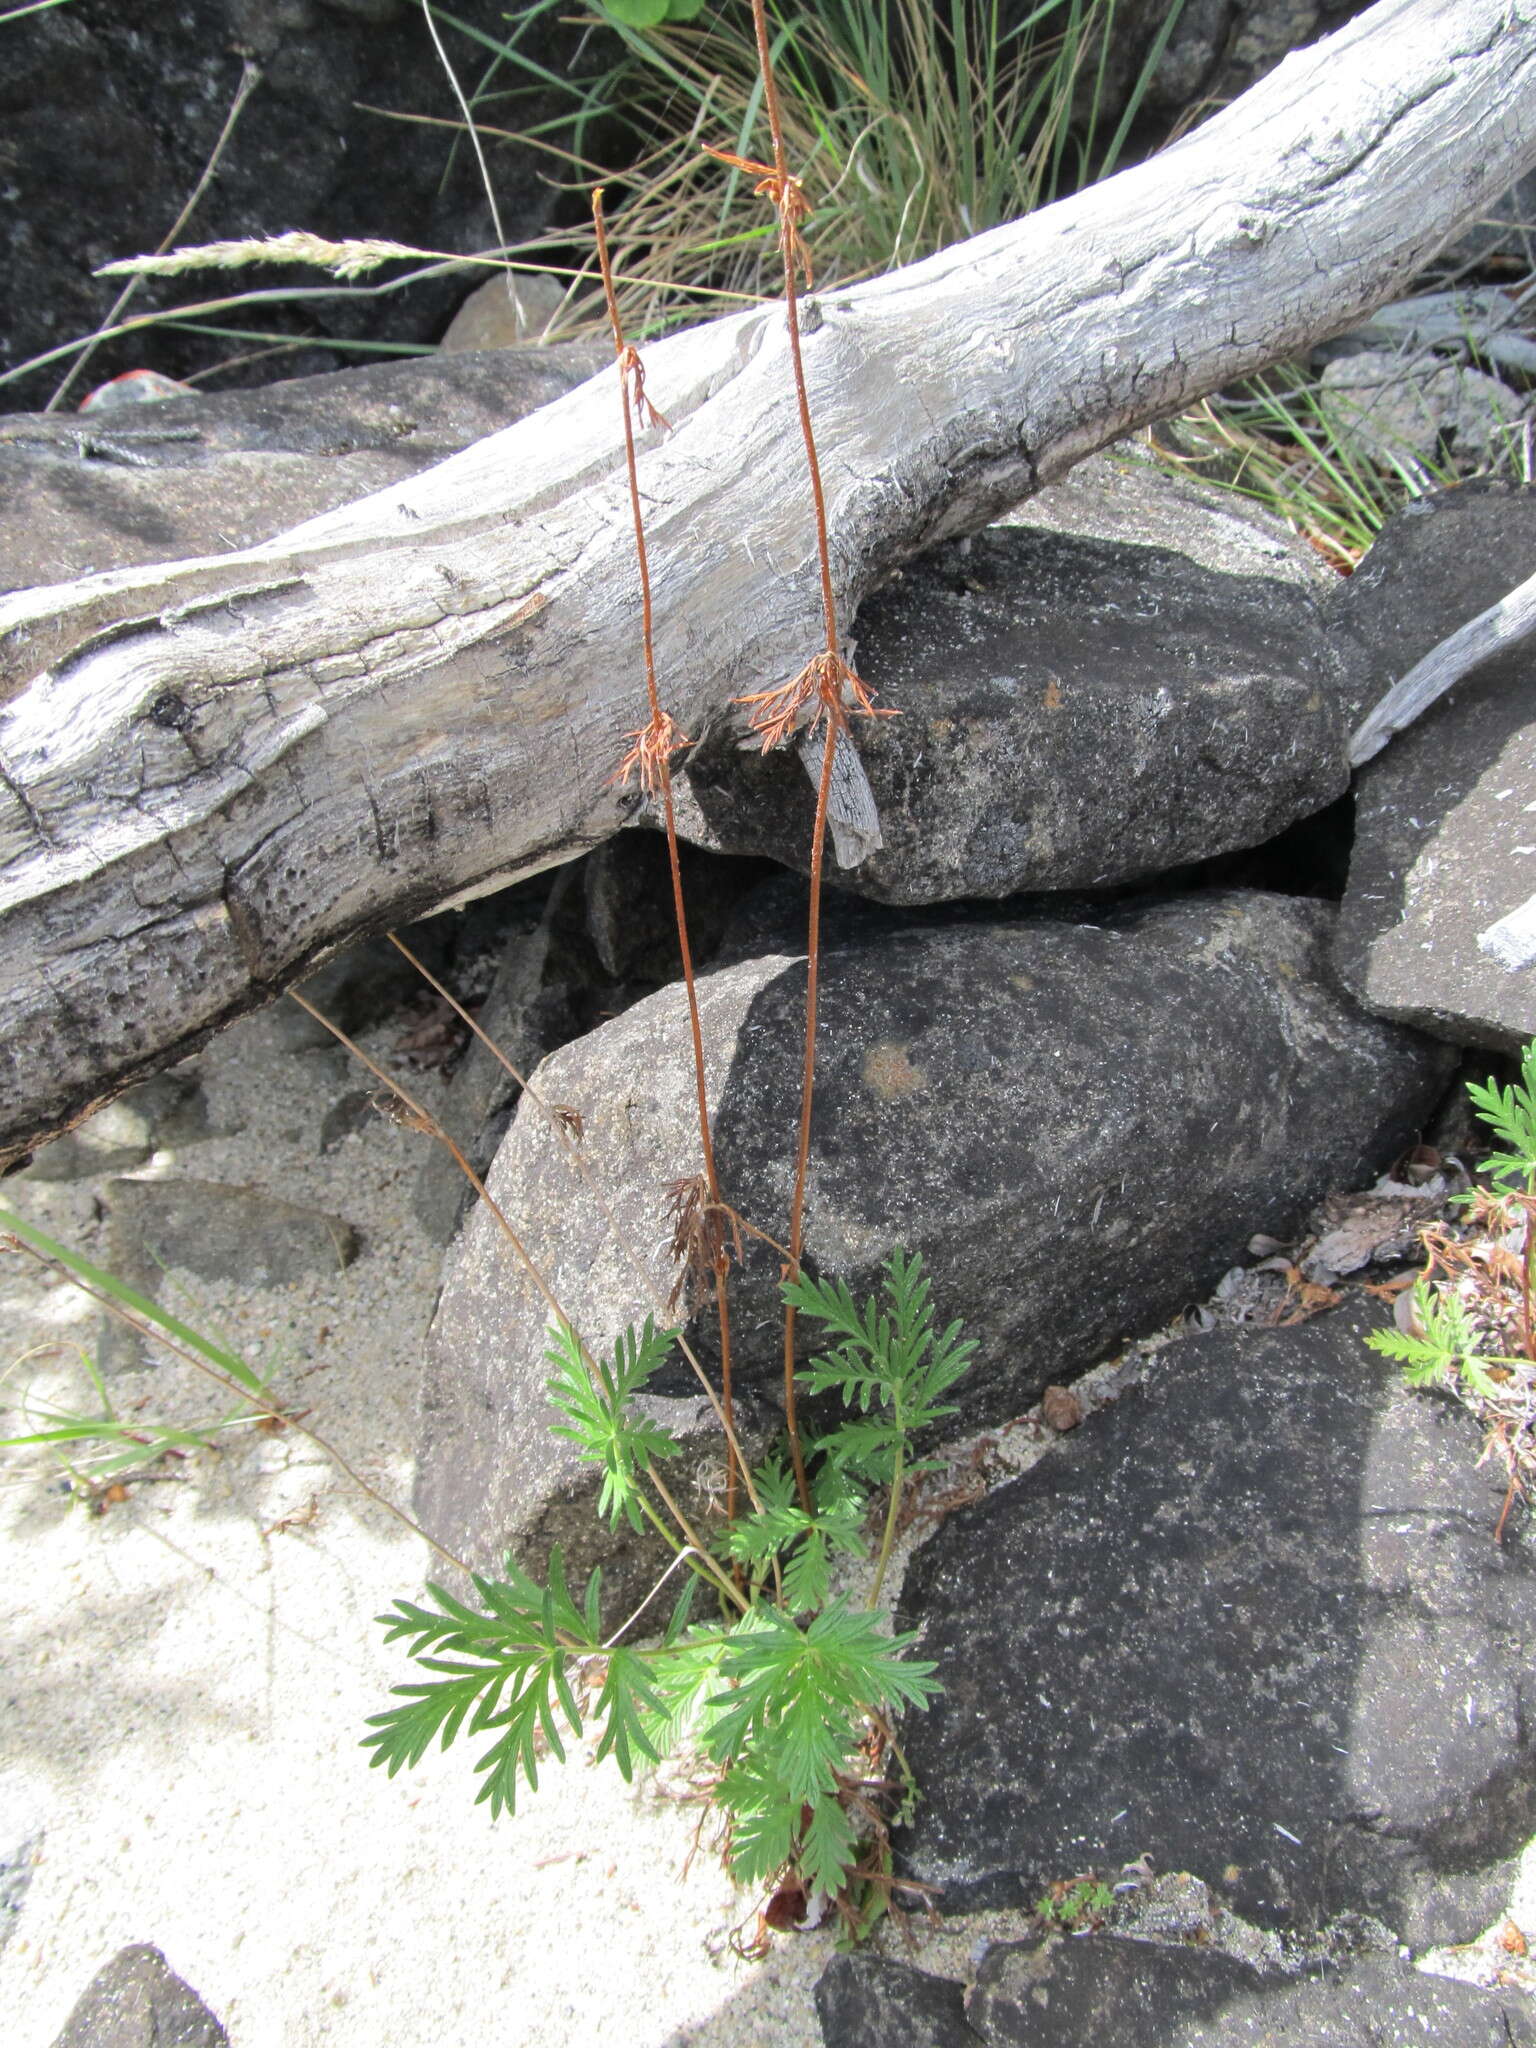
x=825 y=689
x=250 y=78
x=652 y=755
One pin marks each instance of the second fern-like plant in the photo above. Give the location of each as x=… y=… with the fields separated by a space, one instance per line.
x=789 y=1688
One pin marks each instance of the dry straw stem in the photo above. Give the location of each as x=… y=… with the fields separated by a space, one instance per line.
x=558 y=1119
x=651 y=758
x=417 y=1117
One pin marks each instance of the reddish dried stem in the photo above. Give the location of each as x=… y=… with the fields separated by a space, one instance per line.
x=628 y=363
x=787 y=195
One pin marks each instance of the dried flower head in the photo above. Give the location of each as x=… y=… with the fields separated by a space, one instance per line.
x=825 y=689
x=632 y=377
x=650 y=753
x=342 y=259
x=704 y=1236
x=787 y=196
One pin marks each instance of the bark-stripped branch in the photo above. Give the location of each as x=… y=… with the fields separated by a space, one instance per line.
x=211 y=773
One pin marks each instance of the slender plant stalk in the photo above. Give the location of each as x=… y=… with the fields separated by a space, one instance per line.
x=250 y=78
x=823 y=678
x=421 y=1118
x=652 y=755
x=582 y=1169
x=888 y=1536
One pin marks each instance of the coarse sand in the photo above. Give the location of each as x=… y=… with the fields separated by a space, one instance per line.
x=187 y=1677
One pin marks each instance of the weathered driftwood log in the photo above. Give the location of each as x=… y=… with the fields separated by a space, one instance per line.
x=212 y=772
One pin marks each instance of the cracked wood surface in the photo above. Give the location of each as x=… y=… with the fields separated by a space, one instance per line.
x=213 y=772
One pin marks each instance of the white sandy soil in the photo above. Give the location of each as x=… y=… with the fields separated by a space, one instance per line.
x=186 y=1678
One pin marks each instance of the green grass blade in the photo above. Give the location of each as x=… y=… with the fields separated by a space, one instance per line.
x=101 y=1283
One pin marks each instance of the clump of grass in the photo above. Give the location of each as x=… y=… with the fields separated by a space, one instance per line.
x=1286 y=442
x=102 y=1448
x=910 y=128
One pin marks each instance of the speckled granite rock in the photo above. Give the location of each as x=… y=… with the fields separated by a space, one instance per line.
x=1445 y=844
x=1077 y=1994
x=1252 y=1622
x=138 y=2001
x=1076 y=1126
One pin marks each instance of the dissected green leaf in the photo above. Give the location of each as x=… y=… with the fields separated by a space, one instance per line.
x=1447 y=1339
x=1510 y=1112
x=599 y=1420
x=503 y=1667
x=627 y=1696
x=828 y=1846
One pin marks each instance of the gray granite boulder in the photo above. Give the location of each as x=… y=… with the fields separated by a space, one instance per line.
x=1251 y=1622
x=200 y=475
x=865 y=2002
x=138 y=2001
x=1445 y=845
x=1077 y=711
x=1105 y=1992
x=1078 y=1127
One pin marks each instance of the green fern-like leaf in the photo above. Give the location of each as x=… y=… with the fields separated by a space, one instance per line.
x=1510 y=1114
x=801 y=1693
x=627 y=1696
x=599 y=1420
x=1447 y=1339
x=504 y=1668
x=682 y=1681
x=765 y=1819
x=805 y=1544
x=895 y=1361
x=828 y=1845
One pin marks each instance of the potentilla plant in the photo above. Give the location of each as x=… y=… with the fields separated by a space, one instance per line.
x=787 y=1687
x=786 y=1690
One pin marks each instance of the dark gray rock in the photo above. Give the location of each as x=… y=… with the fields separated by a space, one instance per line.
x=1136 y=1995
x=1445 y=842
x=138 y=2001
x=1076 y=712
x=863 y=2002
x=213 y=1230
x=1089 y=1989
x=627 y=884
x=1077 y=1127
x=1252 y=1622
x=1203 y=55
x=200 y=475
x=110 y=114
x=525 y=1019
